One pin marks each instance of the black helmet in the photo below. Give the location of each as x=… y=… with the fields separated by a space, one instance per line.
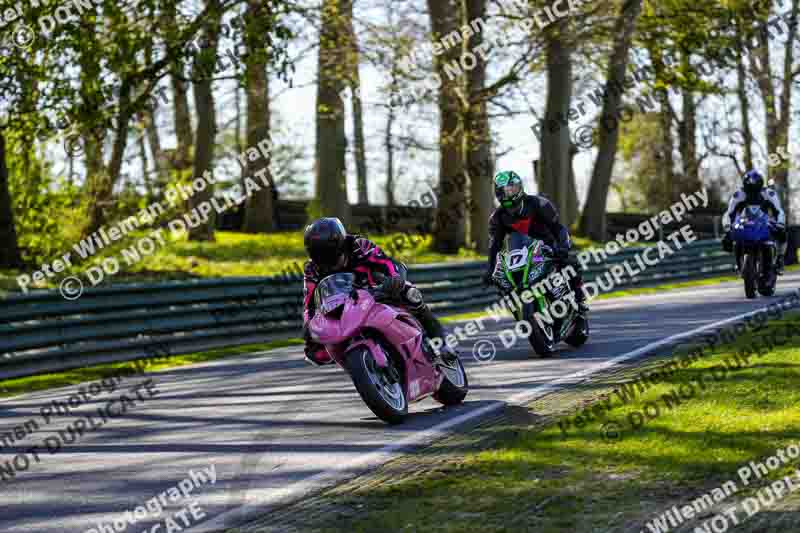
x=325 y=241
x=752 y=183
x=508 y=189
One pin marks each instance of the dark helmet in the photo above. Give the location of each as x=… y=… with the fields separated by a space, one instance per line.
x=752 y=183
x=324 y=240
x=508 y=189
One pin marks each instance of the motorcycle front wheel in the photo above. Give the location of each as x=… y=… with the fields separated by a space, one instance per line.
x=542 y=337
x=378 y=387
x=749 y=275
x=580 y=333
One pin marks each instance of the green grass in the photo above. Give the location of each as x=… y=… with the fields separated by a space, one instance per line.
x=541 y=480
x=16 y=386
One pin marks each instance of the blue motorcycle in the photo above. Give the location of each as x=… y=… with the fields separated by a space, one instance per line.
x=756 y=251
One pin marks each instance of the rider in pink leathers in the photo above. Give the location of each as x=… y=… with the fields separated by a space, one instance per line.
x=332 y=250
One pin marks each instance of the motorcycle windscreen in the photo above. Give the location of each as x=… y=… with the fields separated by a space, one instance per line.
x=333 y=291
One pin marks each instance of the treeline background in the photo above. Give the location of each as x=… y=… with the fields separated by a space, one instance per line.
x=124 y=98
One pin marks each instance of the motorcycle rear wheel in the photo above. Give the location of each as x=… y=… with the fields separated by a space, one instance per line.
x=383 y=395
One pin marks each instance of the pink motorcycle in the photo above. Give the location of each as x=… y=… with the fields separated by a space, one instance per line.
x=381 y=346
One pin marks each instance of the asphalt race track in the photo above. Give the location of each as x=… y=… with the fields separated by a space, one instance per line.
x=275 y=428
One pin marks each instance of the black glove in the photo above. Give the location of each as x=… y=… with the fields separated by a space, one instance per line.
x=727 y=242
x=488 y=279
x=779 y=232
x=561 y=254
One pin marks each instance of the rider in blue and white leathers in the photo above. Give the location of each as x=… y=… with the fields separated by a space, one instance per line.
x=754 y=193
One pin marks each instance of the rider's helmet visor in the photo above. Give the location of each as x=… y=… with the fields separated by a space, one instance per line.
x=509 y=193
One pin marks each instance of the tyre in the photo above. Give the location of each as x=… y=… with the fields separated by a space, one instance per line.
x=542 y=339
x=767 y=287
x=580 y=333
x=379 y=387
x=749 y=275
x=766 y=283
x=455 y=385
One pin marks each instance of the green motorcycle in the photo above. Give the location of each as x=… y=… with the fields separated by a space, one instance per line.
x=539 y=293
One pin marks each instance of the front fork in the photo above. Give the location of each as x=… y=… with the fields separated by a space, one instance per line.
x=767 y=255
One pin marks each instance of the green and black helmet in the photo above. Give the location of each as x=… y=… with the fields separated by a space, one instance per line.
x=508 y=189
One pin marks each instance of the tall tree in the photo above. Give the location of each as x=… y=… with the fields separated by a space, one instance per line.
x=331 y=143
x=744 y=102
x=450 y=231
x=259 y=209
x=203 y=74
x=354 y=82
x=593 y=222
x=477 y=136
x=9 y=250
x=556 y=163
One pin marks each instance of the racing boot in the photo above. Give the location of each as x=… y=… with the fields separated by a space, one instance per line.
x=433 y=330
x=580 y=296
x=779 y=265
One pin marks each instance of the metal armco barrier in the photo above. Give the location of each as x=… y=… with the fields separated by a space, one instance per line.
x=42 y=332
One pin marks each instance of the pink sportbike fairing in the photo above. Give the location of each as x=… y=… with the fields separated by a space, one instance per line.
x=346 y=323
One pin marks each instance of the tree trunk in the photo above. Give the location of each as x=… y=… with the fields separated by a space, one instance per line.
x=331 y=144
x=744 y=104
x=237 y=102
x=203 y=75
x=159 y=159
x=662 y=194
x=760 y=64
x=688 y=143
x=101 y=195
x=388 y=140
x=450 y=231
x=182 y=158
x=570 y=215
x=556 y=145
x=9 y=249
x=593 y=222
x=258 y=214
x=478 y=136
x=354 y=81
x=147 y=180
x=388 y=143
x=785 y=106
x=688 y=139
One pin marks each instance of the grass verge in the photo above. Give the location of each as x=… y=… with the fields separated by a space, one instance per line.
x=16 y=386
x=582 y=480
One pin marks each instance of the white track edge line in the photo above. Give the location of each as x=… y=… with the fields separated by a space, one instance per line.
x=377 y=457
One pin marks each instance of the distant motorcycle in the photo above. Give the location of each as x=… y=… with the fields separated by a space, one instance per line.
x=382 y=347
x=755 y=250
x=524 y=268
